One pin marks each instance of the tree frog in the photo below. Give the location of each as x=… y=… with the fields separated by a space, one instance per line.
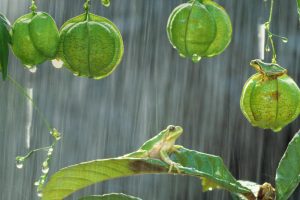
x=268 y=69
x=160 y=146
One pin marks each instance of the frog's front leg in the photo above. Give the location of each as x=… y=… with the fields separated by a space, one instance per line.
x=176 y=148
x=165 y=157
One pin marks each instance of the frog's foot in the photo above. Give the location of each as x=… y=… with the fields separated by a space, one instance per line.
x=176 y=166
x=176 y=148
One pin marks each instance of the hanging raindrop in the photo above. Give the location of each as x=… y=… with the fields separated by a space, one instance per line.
x=284 y=40
x=76 y=74
x=45 y=167
x=45 y=170
x=57 y=63
x=33 y=69
x=105 y=3
x=182 y=55
x=196 y=58
x=19 y=162
x=39 y=194
x=50 y=150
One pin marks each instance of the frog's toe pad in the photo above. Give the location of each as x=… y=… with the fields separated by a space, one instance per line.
x=176 y=166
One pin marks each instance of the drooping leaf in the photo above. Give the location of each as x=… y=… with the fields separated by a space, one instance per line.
x=288 y=171
x=112 y=196
x=4 y=50
x=209 y=168
x=4 y=20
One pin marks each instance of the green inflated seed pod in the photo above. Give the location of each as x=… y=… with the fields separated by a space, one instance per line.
x=35 y=38
x=199 y=28
x=270 y=98
x=90 y=46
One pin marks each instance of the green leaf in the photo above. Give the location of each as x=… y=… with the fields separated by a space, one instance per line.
x=209 y=168
x=298 y=3
x=112 y=196
x=4 y=20
x=4 y=51
x=288 y=171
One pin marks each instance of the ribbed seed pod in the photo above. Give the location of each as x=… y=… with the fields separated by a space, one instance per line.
x=35 y=38
x=270 y=98
x=199 y=28
x=90 y=46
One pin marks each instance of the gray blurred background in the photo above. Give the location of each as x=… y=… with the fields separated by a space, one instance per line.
x=152 y=88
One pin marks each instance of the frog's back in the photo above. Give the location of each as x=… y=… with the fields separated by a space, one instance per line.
x=150 y=143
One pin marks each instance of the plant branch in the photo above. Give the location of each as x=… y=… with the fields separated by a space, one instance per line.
x=270 y=41
x=270 y=34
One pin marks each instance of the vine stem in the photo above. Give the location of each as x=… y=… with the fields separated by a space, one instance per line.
x=270 y=34
x=33 y=7
x=35 y=150
x=86 y=7
x=23 y=91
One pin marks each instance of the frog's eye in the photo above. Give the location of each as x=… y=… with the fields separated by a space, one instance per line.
x=172 y=128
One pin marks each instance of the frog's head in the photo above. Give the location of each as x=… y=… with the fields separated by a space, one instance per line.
x=258 y=64
x=171 y=133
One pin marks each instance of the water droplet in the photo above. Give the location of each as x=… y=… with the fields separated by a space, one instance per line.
x=39 y=194
x=284 y=40
x=19 y=165
x=45 y=170
x=268 y=49
x=210 y=189
x=42 y=181
x=45 y=167
x=19 y=162
x=55 y=134
x=182 y=55
x=196 y=58
x=57 y=63
x=50 y=150
x=33 y=69
x=105 y=3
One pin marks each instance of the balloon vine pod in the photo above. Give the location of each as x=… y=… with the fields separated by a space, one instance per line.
x=199 y=28
x=90 y=45
x=270 y=98
x=35 y=37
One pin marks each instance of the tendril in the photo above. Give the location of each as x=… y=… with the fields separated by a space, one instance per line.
x=54 y=133
x=45 y=164
x=270 y=43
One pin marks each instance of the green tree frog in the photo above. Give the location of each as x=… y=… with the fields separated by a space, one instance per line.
x=160 y=146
